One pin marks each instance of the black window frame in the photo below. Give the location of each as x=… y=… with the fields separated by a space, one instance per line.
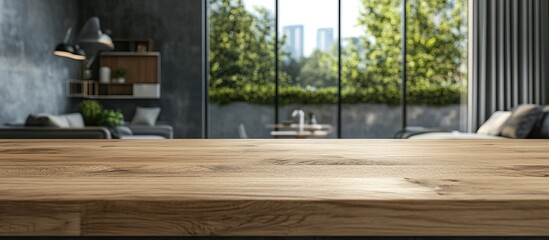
x=206 y=74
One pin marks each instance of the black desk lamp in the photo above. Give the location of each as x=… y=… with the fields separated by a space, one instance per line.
x=67 y=50
x=91 y=39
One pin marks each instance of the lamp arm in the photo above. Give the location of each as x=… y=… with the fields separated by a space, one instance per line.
x=90 y=61
x=68 y=35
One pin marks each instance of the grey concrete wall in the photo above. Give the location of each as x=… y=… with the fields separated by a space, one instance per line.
x=32 y=79
x=176 y=26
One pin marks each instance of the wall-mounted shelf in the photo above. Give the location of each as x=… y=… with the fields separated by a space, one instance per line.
x=141 y=68
x=133 y=45
x=142 y=79
x=82 y=88
x=92 y=89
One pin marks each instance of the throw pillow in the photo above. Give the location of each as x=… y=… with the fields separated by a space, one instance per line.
x=75 y=120
x=58 y=121
x=541 y=129
x=494 y=124
x=47 y=120
x=522 y=121
x=37 y=120
x=145 y=116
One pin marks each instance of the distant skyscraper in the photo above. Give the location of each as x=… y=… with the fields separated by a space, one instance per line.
x=324 y=39
x=348 y=40
x=294 y=40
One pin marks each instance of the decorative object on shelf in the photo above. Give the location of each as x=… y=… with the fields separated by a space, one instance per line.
x=72 y=51
x=83 y=88
x=90 y=110
x=105 y=75
x=141 y=48
x=119 y=75
x=87 y=74
x=118 y=80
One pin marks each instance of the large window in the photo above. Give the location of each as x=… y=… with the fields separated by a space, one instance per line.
x=242 y=68
x=339 y=61
x=371 y=69
x=308 y=76
x=437 y=64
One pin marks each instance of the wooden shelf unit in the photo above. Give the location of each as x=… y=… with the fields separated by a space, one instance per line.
x=116 y=89
x=140 y=67
x=82 y=88
x=143 y=77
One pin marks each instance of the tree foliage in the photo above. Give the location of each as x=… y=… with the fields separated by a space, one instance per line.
x=242 y=45
x=242 y=56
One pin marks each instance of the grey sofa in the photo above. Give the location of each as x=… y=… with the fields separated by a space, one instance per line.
x=538 y=128
x=23 y=132
x=72 y=126
x=161 y=130
x=137 y=132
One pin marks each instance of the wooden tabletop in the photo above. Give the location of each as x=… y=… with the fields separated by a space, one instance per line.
x=274 y=188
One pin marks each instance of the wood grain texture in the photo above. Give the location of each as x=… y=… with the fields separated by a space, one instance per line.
x=274 y=188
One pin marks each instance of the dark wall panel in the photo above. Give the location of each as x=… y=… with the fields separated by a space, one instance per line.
x=544 y=17
x=176 y=26
x=32 y=79
x=510 y=56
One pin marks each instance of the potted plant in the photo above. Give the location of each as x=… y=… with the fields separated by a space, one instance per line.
x=110 y=118
x=119 y=76
x=90 y=110
x=94 y=114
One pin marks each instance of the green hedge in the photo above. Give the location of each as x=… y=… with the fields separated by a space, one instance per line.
x=424 y=95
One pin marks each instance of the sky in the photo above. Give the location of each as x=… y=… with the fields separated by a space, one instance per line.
x=314 y=14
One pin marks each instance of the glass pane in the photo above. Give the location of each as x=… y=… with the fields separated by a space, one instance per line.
x=309 y=63
x=242 y=68
x=437 y=64
x=371 y=68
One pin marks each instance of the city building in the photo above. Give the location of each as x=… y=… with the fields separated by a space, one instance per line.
x=294 y=40
x=324 y=39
